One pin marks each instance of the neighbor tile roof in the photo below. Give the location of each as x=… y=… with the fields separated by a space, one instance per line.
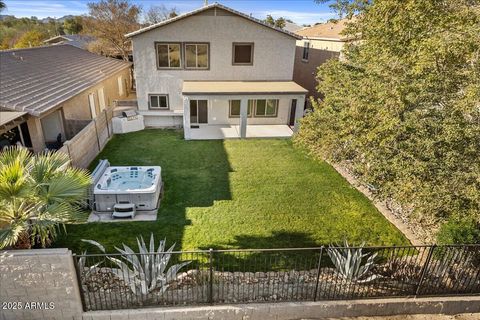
x=36 y=80
x=329 y=30
x=78 y=40
x=204 y=8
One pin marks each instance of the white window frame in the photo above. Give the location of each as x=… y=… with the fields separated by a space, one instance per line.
x=91 y=103
x=121 y=90
x=101 y=99
x=158 y=95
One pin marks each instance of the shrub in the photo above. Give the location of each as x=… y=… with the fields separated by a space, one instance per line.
x=459 y=231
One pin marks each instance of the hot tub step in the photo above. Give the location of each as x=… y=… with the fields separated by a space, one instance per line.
x=124 y=210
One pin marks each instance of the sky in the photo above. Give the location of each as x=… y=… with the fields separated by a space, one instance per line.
x=299 y=11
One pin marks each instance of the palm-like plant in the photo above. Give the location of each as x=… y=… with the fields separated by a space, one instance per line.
x=38 y=193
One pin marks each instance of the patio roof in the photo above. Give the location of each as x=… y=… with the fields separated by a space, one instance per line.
x=241 y=87
x=7 y=116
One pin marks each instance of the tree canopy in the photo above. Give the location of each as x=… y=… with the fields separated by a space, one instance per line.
x=109 y=21
x=156 y=14
x=402 y=108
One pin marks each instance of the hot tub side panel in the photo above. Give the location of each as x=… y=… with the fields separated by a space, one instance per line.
x=142 y=201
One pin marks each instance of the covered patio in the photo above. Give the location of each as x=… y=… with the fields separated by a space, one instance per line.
x=241 y=109
x=215 y=132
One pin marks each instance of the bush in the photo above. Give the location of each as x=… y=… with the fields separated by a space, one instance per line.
x=459 y=231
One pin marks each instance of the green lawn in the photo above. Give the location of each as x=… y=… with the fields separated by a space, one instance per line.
x=238 y=194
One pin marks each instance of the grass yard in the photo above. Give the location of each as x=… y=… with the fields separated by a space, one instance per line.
x=238 y=194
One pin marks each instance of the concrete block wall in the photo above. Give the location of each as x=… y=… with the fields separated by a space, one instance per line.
x=39 y=284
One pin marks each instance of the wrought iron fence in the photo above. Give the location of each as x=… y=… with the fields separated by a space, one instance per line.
x=109 y=281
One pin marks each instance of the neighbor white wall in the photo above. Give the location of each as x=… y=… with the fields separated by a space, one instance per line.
x=274 y=55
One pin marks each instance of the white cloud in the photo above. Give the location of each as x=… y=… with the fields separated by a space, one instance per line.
x=298 y=17
x=42 y=9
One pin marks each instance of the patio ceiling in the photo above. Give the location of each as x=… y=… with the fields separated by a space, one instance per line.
x=10 y=119
x=241 y=87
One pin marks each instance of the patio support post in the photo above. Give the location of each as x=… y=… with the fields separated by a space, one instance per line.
x=186 y=118
x=243 y=117
x=299 y=112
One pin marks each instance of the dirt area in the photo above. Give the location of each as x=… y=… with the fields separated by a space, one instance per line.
x=464 y=316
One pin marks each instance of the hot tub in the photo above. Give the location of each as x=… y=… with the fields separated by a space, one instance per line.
x=137 y=185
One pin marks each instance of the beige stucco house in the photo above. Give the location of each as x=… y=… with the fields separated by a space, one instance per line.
x=218 y=73
x=318 y=44
x=50 y=93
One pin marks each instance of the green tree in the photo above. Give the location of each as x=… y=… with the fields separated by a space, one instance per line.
x=2 y=5
x=30 y=39
x=269 y=20
x=280 y=23
x=109 y=21
x=37 y=193
x=401 y=109
x=73 y=25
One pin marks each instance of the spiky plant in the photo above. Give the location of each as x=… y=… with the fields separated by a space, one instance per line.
x=145 y=270
x=38 y=193
x=350 y=263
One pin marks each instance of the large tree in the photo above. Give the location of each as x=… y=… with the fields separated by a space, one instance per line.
x=109 y=21
x=73 y=25
x=156 y=14
x=403 y=107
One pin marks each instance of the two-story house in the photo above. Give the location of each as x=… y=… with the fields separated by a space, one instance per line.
x=219 y=73
x=319 y=43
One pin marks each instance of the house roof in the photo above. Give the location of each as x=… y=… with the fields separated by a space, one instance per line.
x=36 y=80
x=329 y=30
x=292 y=27
x=204 y=8
x=77 y=40
x=241 y=87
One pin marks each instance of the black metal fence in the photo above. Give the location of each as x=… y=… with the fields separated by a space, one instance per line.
x=119 y=281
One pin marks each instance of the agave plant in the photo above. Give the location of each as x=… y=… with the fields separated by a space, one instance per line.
x=350 y=263
x=38 y=193
x=145 y=270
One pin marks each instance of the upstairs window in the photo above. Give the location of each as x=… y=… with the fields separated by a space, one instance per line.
x=242 y=53
x=196 y=55
x=306 y=49
x=158 y=101
x=168 y=55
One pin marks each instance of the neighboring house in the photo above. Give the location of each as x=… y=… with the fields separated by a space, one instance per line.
x=76 y=40
x=52 y=90
x=214 y=71
x=291 y=26
x=319 y=44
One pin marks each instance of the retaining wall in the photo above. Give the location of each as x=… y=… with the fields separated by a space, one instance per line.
x=39 y=284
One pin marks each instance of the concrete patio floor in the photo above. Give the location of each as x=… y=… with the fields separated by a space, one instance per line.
x=213 y=132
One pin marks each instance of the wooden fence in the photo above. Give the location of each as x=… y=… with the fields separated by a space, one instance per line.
x=88 y=143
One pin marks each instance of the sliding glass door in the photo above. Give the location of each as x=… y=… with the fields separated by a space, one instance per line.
x=198 y=111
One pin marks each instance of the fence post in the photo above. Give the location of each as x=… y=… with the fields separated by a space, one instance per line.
x=96 y=134
x=210 y=286
x=424 y=269
x=79 y=280
x=318 y=274
x=106 y=120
